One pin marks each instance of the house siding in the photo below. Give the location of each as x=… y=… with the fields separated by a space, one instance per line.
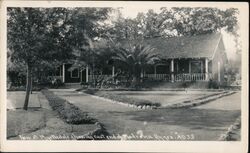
x=218 y=63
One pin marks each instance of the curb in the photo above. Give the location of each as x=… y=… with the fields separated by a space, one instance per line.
x=227 y=136
x=121 y=103
x=199 y=101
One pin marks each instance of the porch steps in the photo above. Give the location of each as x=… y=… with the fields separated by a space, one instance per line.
x=200 y=101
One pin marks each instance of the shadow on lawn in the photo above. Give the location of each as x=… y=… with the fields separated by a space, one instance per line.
x=194 y=118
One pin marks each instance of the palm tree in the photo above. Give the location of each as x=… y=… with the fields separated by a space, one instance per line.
x=135 y=58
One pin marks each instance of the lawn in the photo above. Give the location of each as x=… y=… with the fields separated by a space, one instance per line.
x=15 y=99
x=199 y=123
x=165 y=98
x=21 y=121
x=38 y=123
x=179 y=124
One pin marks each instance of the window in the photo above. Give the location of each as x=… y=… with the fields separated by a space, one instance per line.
x=75 y=73
x=196 y=67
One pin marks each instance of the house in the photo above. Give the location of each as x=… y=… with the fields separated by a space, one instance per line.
x=194 y=58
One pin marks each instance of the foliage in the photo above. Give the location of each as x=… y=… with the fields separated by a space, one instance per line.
x=176 y=21
x=135 y=57
x=67 y=111
x=213 y=84
x=42 y=38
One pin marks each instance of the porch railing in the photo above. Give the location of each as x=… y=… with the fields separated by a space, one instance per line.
x=178 y=77
x=56 y=77
x=163 y=77
x=104 y=76
x=190 y=77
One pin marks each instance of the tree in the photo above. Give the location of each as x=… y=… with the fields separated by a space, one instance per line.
x=35 y=35
x=135 y=57
x=201 y=20
x=38 y=36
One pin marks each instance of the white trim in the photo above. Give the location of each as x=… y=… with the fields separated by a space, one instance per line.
x=219 y=71
x=172 y=70
x=172 y=65
x=77 y=73
x=206 y=68
x=113 y=71
x=80 y=75
x=87 y=73
x=63 y=75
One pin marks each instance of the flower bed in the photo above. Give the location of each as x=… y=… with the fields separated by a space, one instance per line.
x=67 y=111
x=124 y=99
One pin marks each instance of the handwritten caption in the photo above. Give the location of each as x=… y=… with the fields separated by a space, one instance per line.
x=173 y=136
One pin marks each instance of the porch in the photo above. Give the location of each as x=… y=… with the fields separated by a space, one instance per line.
x=170 y=70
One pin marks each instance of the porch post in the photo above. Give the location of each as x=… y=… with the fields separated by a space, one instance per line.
x=206 y=69
x=113 y=72
x=219 y=72
x=87 y=73
x=141 y=73
x=81 y=76
x=155 y=71
x=63 y=73
x=172 y=70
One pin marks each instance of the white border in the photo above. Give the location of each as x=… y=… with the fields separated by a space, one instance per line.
x=126 y=146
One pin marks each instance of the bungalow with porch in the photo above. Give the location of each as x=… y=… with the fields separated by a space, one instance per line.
x=193 y=58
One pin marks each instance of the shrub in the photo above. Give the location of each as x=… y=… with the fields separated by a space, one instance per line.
x=91 y=91
x=22 y=88
x=67 y=111
x=213 y=84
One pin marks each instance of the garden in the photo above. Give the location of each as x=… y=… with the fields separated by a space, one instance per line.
x=126 y=103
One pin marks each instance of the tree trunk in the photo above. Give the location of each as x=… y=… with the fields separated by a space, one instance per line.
x=134 y=81
x=31 y=84
x=28 y=86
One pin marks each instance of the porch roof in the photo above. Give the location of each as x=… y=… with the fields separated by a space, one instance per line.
x=200 y=46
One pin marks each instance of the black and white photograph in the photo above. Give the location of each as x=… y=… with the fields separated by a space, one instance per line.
x=134 y=72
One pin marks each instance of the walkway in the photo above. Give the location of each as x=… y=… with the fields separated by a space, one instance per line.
x=231 y=102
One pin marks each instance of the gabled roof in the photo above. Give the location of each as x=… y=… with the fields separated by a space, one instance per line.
x=200 y=46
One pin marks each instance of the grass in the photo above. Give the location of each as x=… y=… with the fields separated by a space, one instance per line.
x=21 y=121
x=152 y=98
x=42 y=123
x=119 y=120
x=124 y=99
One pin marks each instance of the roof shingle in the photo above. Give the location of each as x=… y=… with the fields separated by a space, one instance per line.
x=200 y=46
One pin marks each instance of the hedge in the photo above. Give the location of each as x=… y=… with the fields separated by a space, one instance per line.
x=67 y=111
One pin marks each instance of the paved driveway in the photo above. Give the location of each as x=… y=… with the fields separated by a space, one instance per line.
x=179 y=124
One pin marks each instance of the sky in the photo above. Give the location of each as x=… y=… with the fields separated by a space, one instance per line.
x=132 y=11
